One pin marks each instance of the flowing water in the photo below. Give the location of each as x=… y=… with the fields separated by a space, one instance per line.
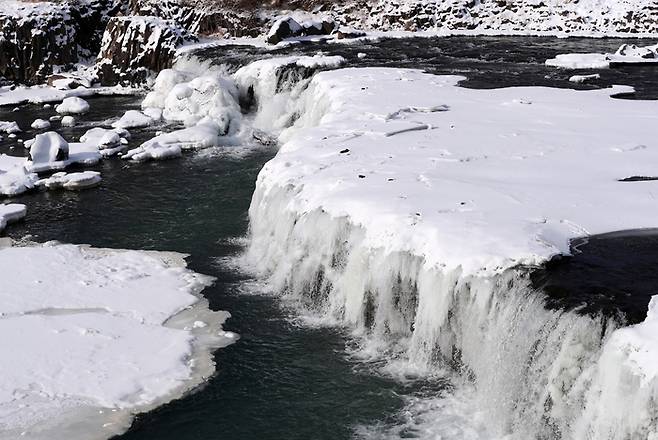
x=287 y=378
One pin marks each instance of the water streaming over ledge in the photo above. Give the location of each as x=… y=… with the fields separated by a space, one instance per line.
x=294 y=379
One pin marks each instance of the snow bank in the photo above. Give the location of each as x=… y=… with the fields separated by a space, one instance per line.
x=71 y=181
x=404 y=203
x=94 y=349
x=626 y=54
x=72 y=105
x=11 y=213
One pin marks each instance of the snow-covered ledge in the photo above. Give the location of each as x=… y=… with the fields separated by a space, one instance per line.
x=103 y=334
x=405 y=203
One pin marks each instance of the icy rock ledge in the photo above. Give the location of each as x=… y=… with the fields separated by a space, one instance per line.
x=104 y=334
x=10 y=213
x=405 y=205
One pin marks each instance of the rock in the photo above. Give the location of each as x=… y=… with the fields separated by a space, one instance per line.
x=47 y=148
x=283 y=28
x=72 y=106
x=36 y=36
x=40 y=124
x=135 y=47
x=345 y=33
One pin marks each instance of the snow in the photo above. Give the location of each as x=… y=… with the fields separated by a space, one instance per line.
x=71 y=181
x=72 y=105
x=205 y=134
x=404 y=205
x=68 y=121
x=40 y=124
x=133 y=119
x=42 y=93
x=10 y=213
x=93 y=341
x=9 y=127
x=48 y=148
x=626 y=54
x=15 y=179
x=584 y=78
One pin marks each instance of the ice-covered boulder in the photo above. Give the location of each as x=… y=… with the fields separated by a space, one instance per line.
x=68 y=121
x=10 y=213
x=288 y=27
x=71 y=181
x=47 y=148
x=36 y=36
x=183 y=96
x=107 y=142
x=133 y=119
x=134 y=47
x=72 y=106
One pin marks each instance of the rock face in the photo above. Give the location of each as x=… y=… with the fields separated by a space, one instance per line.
x=34 y=37
x=133 y=47
x=552 y=16
x=288 y=27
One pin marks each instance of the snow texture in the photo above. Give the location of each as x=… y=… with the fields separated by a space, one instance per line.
x=10 y=213
x=72 y=106
x=94 y=349
x=404 y=203
x=626 y=54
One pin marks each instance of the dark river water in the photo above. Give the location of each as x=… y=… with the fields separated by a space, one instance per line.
x=282 y=380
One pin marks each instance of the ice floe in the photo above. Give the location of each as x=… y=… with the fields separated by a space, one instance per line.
x=103 y=334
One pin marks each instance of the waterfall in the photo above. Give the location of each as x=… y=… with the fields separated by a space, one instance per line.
x=537 y=373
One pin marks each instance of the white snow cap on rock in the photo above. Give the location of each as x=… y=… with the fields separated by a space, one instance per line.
x=102 y=336
x=133 y=119
x=47 y=148
x=192 y=91
x=72 y=105
x=626 y=54
x=40 y=124
x=14 y=177
x=71 y=181
x=11 y=213
x=9 y=127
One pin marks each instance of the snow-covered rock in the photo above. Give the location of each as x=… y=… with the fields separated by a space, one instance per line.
x=626 y=54
x=133 y=119
x=9 y=127
x=205 y=134
x=68 y=121
x=584 y=78
x=36 y=36
x=73 y=105
x=107 y=141
x=136 y=46
x=15 y=179
x=40 y=124
x=48 y=148
x=11 y=213
x=71 y=181
x=104 y=334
